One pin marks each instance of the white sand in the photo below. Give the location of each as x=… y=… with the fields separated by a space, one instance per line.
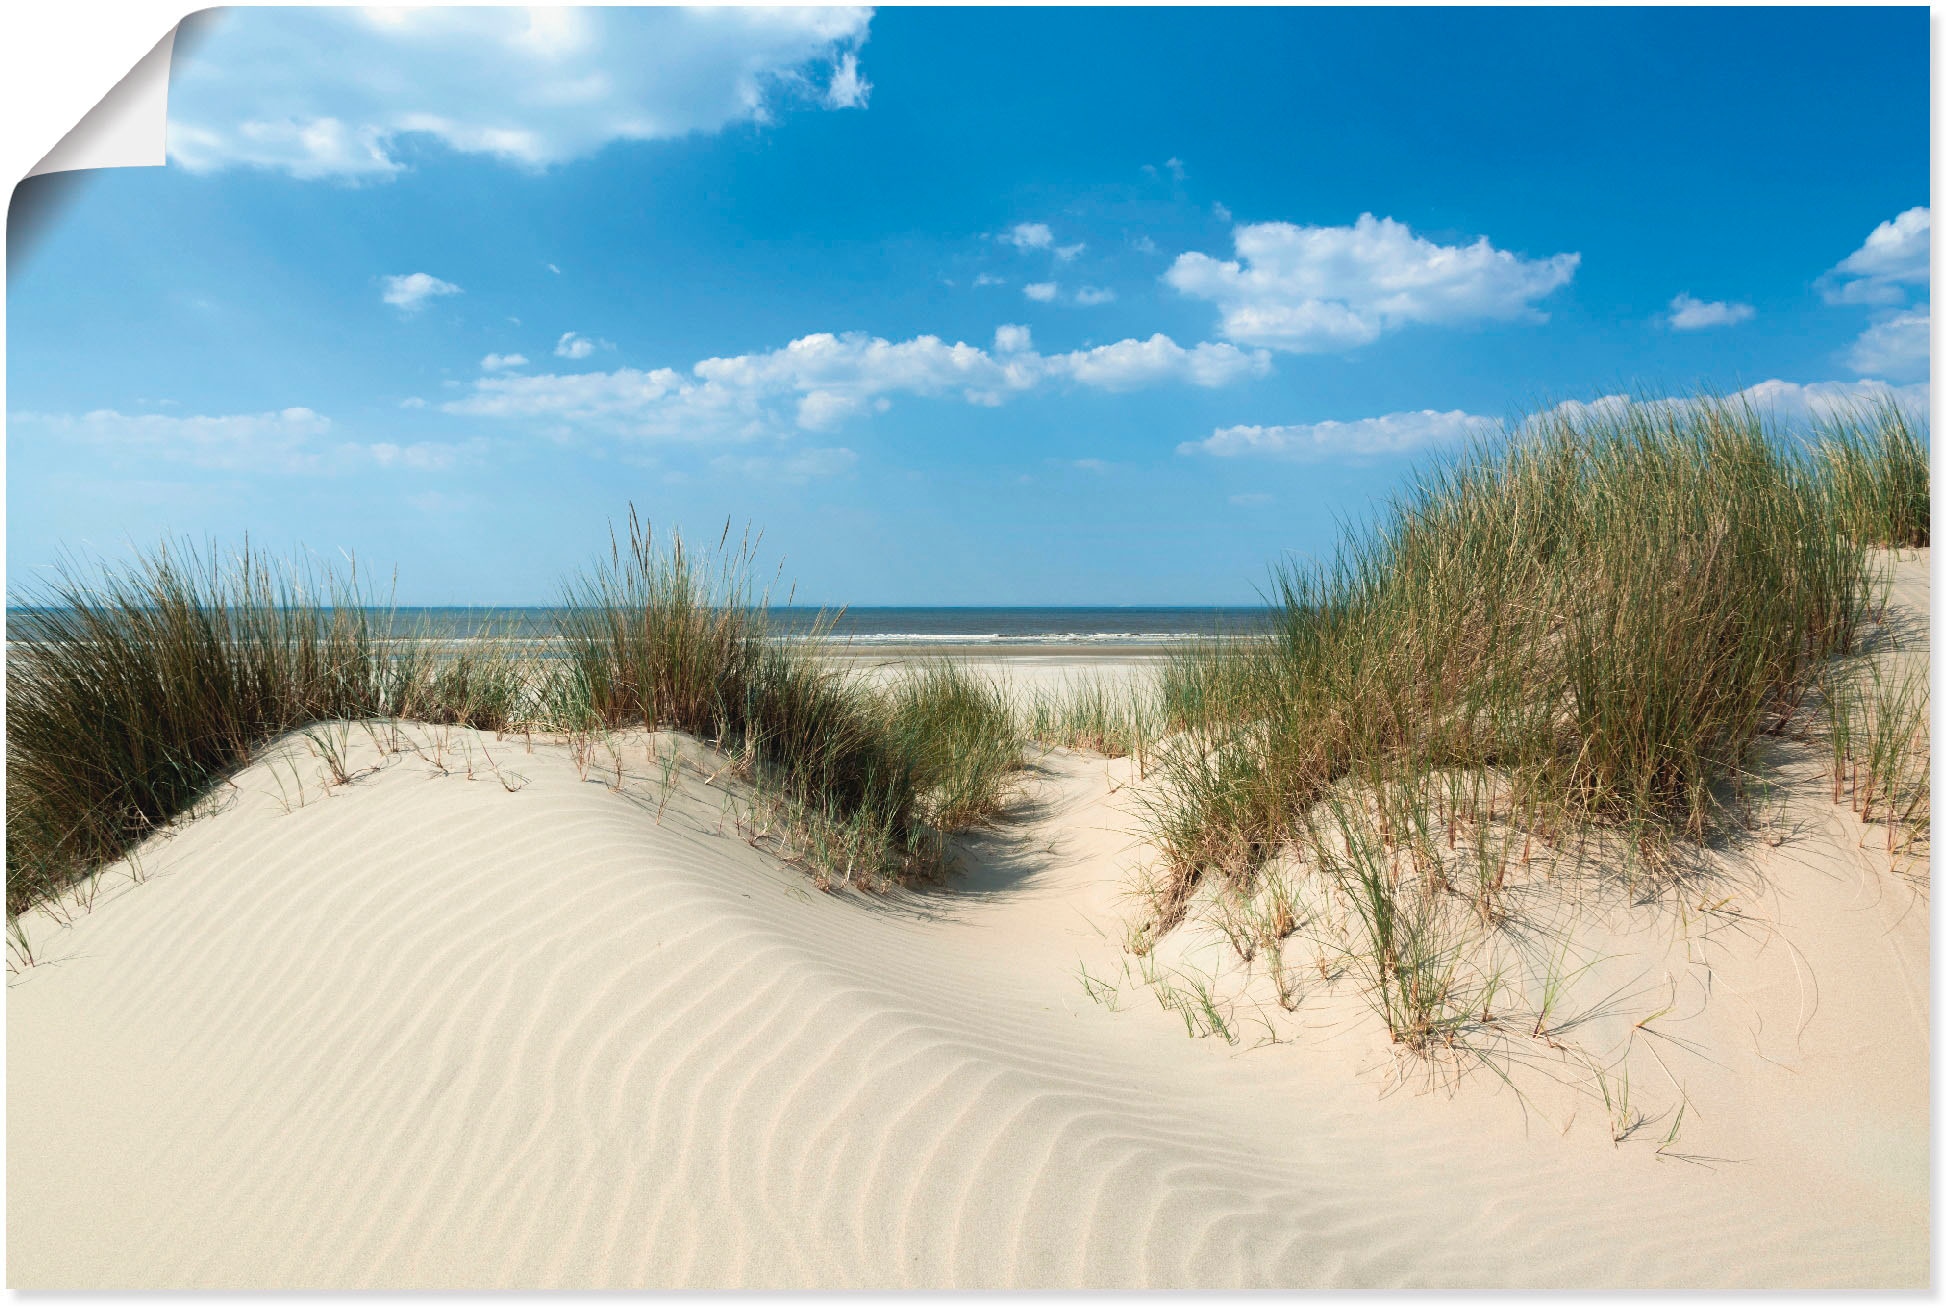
x=424 y=1030
x=1023 y=673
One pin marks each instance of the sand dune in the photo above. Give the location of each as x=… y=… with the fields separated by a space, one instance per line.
x=525 y=1028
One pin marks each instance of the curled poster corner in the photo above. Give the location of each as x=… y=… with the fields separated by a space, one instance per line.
x=129 y=128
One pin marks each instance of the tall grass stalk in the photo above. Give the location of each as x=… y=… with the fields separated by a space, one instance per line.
x=1880 y=752
x=1091 y=712
x=1878 y=469
x=131 y=692
x=1585 y=627
x=665 y=637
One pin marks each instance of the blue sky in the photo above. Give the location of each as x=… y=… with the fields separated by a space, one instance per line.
x=957 y=306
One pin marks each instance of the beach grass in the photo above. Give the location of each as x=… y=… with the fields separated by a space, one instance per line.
x=960 y=732
x=1594 y=621
x=1585 y=628
x=870 y=779
x=134 y=691
x=1875 y=728
x=1090 y=712
x=1878 y=472
x=131 y=692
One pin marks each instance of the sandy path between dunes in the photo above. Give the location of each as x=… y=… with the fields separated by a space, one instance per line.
x=426 y=1030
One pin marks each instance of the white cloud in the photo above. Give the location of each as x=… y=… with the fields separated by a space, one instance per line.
x=553 y=268
x=1394 y=433
x=573 y=345
x=827 y=410
x=848 y=90
x=498 y=362
x=1029 y=236
x=412 y=402
x=410 y=291
x=1581 y=411
x=1093 y=295
x=1174 y=165
x=1897 y=255
x=1792 y=404
x=818 y=383
x=1128 y=364
x=1310 y=289
x=330 y=93
x=1898 y=346
x=1142 y=244
x=1042 y=291
x=1039 y=236
x=988 y=279
x=1799 y=402
x=1221 y=212
x=1688 y=314
x=280 y=441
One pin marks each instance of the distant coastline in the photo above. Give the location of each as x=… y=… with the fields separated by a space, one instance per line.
x=893 y=629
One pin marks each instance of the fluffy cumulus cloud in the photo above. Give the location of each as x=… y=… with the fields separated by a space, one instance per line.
x=1127 y=365
x=502 y=362
x=411 y=292
x=1801 y=402
x=1088 y=295
x=1394 y=433
x=1795 y=404
x=1689 y=314
x=1011 y=338
x=1782 y=403
x=818 y=383
x=848 y=88
x=1895 y=257
x=1314 y=289
x=1890 y=269
x=1039 y=236
x=573 y=345
x=1044 y=292
x=295 y=440
x=1899 y=346
x=336 y=93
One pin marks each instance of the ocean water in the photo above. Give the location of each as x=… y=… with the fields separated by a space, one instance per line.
x=1001 y=627
x=908 y=625
x=1026 y=625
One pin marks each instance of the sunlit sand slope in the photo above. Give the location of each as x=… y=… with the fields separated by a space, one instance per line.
x=525 y=1028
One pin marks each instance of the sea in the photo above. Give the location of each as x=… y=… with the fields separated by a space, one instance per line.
x=995 y=628
x=906 y=625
